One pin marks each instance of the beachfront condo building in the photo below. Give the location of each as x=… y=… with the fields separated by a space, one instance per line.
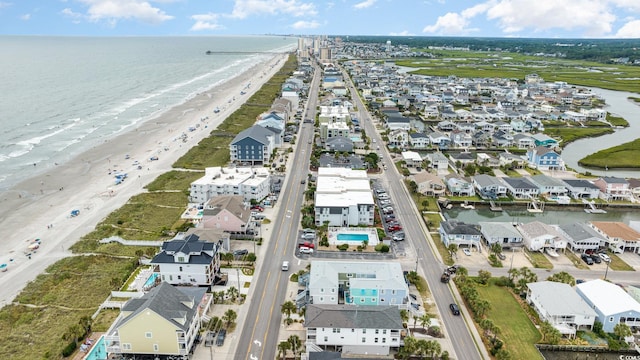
x=252 y=183
x=343 y=197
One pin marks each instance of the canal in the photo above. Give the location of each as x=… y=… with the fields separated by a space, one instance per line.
x=552 y=217
x=618 y=105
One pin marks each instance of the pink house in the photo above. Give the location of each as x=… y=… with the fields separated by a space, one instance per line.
x=613 y=188
x=228 y=212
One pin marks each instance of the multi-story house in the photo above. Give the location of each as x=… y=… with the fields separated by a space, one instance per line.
x=358 y=330
x=549 y=186
x=418 y=141
x=544 y=158
x=581 y=189
x=187 y=260
x=611 y=303
x=613 y=188
x=618 y=236
x=458 y=186
x=560 y=305
x=581 y=237
x=229 y=213
x=538 y=236
x=489 y=187
x=521 y=188
x=163 y=322
x=253 y=145
x=358 y=283
x=252 y=183
x=438 y=161
x=502 y=233
x=343 y=197
x=460 y=233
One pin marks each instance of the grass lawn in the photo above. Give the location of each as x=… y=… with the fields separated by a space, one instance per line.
x=626 y=155
x=616 y=120
x=518 y=332
x=619 y=264
x=444 y=253
x=538 y=260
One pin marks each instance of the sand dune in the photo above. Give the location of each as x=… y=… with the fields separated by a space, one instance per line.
x=40 y=207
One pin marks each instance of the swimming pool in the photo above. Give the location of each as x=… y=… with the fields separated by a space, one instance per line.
x=352 y=237
x=98 y=351
x=151 y=280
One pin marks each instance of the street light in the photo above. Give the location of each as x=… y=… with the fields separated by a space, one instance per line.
x=417 y=259
x=606 y=270
x=513 y=254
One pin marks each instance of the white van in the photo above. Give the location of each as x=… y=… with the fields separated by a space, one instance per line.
x=285 y=266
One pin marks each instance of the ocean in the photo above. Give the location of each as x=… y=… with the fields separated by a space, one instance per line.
x=62 y=95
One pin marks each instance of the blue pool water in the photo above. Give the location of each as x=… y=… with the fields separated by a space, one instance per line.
x=98 y=351
x=352 y=237
x=151 y=280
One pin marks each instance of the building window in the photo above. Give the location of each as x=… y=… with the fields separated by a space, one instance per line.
x=156 y=347
x=326 y=339
x=362 y=300
x=126 y=346
x=364 y=339
x=179 y=277
x=377 y=331
x=181 y=259
x=321 y=290
x=180 y=268
x=353 y=330
x=384 y=340
x=384 y=331
x=611 y=319
x=375 y=340
x=148 y=335
x=364 y=331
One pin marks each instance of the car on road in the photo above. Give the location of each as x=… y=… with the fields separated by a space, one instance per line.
x=220 y=338
x=303 y=181
x=240 y=252
x=455 y=310
x=604 y=257
x=305 y=250
x=285 y=266
x=466 y=251
x=587 y=259
x=153 y=158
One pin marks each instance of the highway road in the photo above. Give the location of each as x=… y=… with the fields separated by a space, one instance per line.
x=259 y=337
x=456 y=327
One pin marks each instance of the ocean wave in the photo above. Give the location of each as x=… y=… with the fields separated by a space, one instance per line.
x=31 y=142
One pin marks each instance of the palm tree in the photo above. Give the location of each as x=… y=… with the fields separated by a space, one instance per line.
x=496 y=248
x=425 y=319
x=481 y=307
x=85 y=323
x=283 y=347
x=287 y=308
x=229 y=317
x=233 y=293
x=404 y=315
x=73 y=333
x=296 y=344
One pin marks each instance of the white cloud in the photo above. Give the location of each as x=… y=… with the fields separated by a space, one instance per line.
x=114 y=10
x=593 y=17
x=449 y=24
x=305 y=25
x=245 y=8
x=206 y=22
x=70 y=13
x=630 y=5
x=629 y=30
x=364 y=4
x=25 y=17
x=402 y=33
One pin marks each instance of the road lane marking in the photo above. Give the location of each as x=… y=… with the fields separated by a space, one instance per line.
x=253 y=332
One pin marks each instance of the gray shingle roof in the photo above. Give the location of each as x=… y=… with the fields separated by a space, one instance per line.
x=190 y=245
x=353 y=316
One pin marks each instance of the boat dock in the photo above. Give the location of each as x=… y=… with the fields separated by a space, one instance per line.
x=493 y=206
x=591 y=208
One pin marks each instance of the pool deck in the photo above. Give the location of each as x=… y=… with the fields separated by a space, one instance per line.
x=79 y=355
x=370 y=231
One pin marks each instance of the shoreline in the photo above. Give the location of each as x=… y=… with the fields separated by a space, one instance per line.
x=40 y=207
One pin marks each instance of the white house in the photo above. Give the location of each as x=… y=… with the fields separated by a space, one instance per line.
x=538 y=236
x=561 y=306
x=188 y=261
x=581 y=237
x=612 y=304
x=250 y=182
x=411 y=158
x=343 y=197
x=357 y=330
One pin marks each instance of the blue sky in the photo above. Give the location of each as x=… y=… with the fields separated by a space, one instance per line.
x=491 y=18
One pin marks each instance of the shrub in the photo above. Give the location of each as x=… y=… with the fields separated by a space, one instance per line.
x=69 y=349
x=383 y=248
x=343 y=247
x=503 y=281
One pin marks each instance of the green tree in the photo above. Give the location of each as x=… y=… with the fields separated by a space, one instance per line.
x=283 y=347
x=622 y=331
x=233 y=293
x=425 y=205
x=496 y=248
x=483 y=277
x=404 y=315
x=425 y=319
x=229 y=317
x=296 y=345
x=288 y=308
x=452 y=249
x=563 y=277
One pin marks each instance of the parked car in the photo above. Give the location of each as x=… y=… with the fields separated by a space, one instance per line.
x=307 y=244
x=455 y=310
x=257 y=208
x=466 y=251
x=306 y=250
x=395 y=228
x=385 y=202
x=240 y=252
x=596 y=258
x=220 y=338
x=587 y=259
x=399 y=236
x=308 y=236
x=414 y=297
x=604 y=257
x=387 y=210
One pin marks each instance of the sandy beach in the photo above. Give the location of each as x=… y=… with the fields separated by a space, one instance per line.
x=40 y=208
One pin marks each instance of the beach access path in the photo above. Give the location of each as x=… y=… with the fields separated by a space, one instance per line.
x=40 y=207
